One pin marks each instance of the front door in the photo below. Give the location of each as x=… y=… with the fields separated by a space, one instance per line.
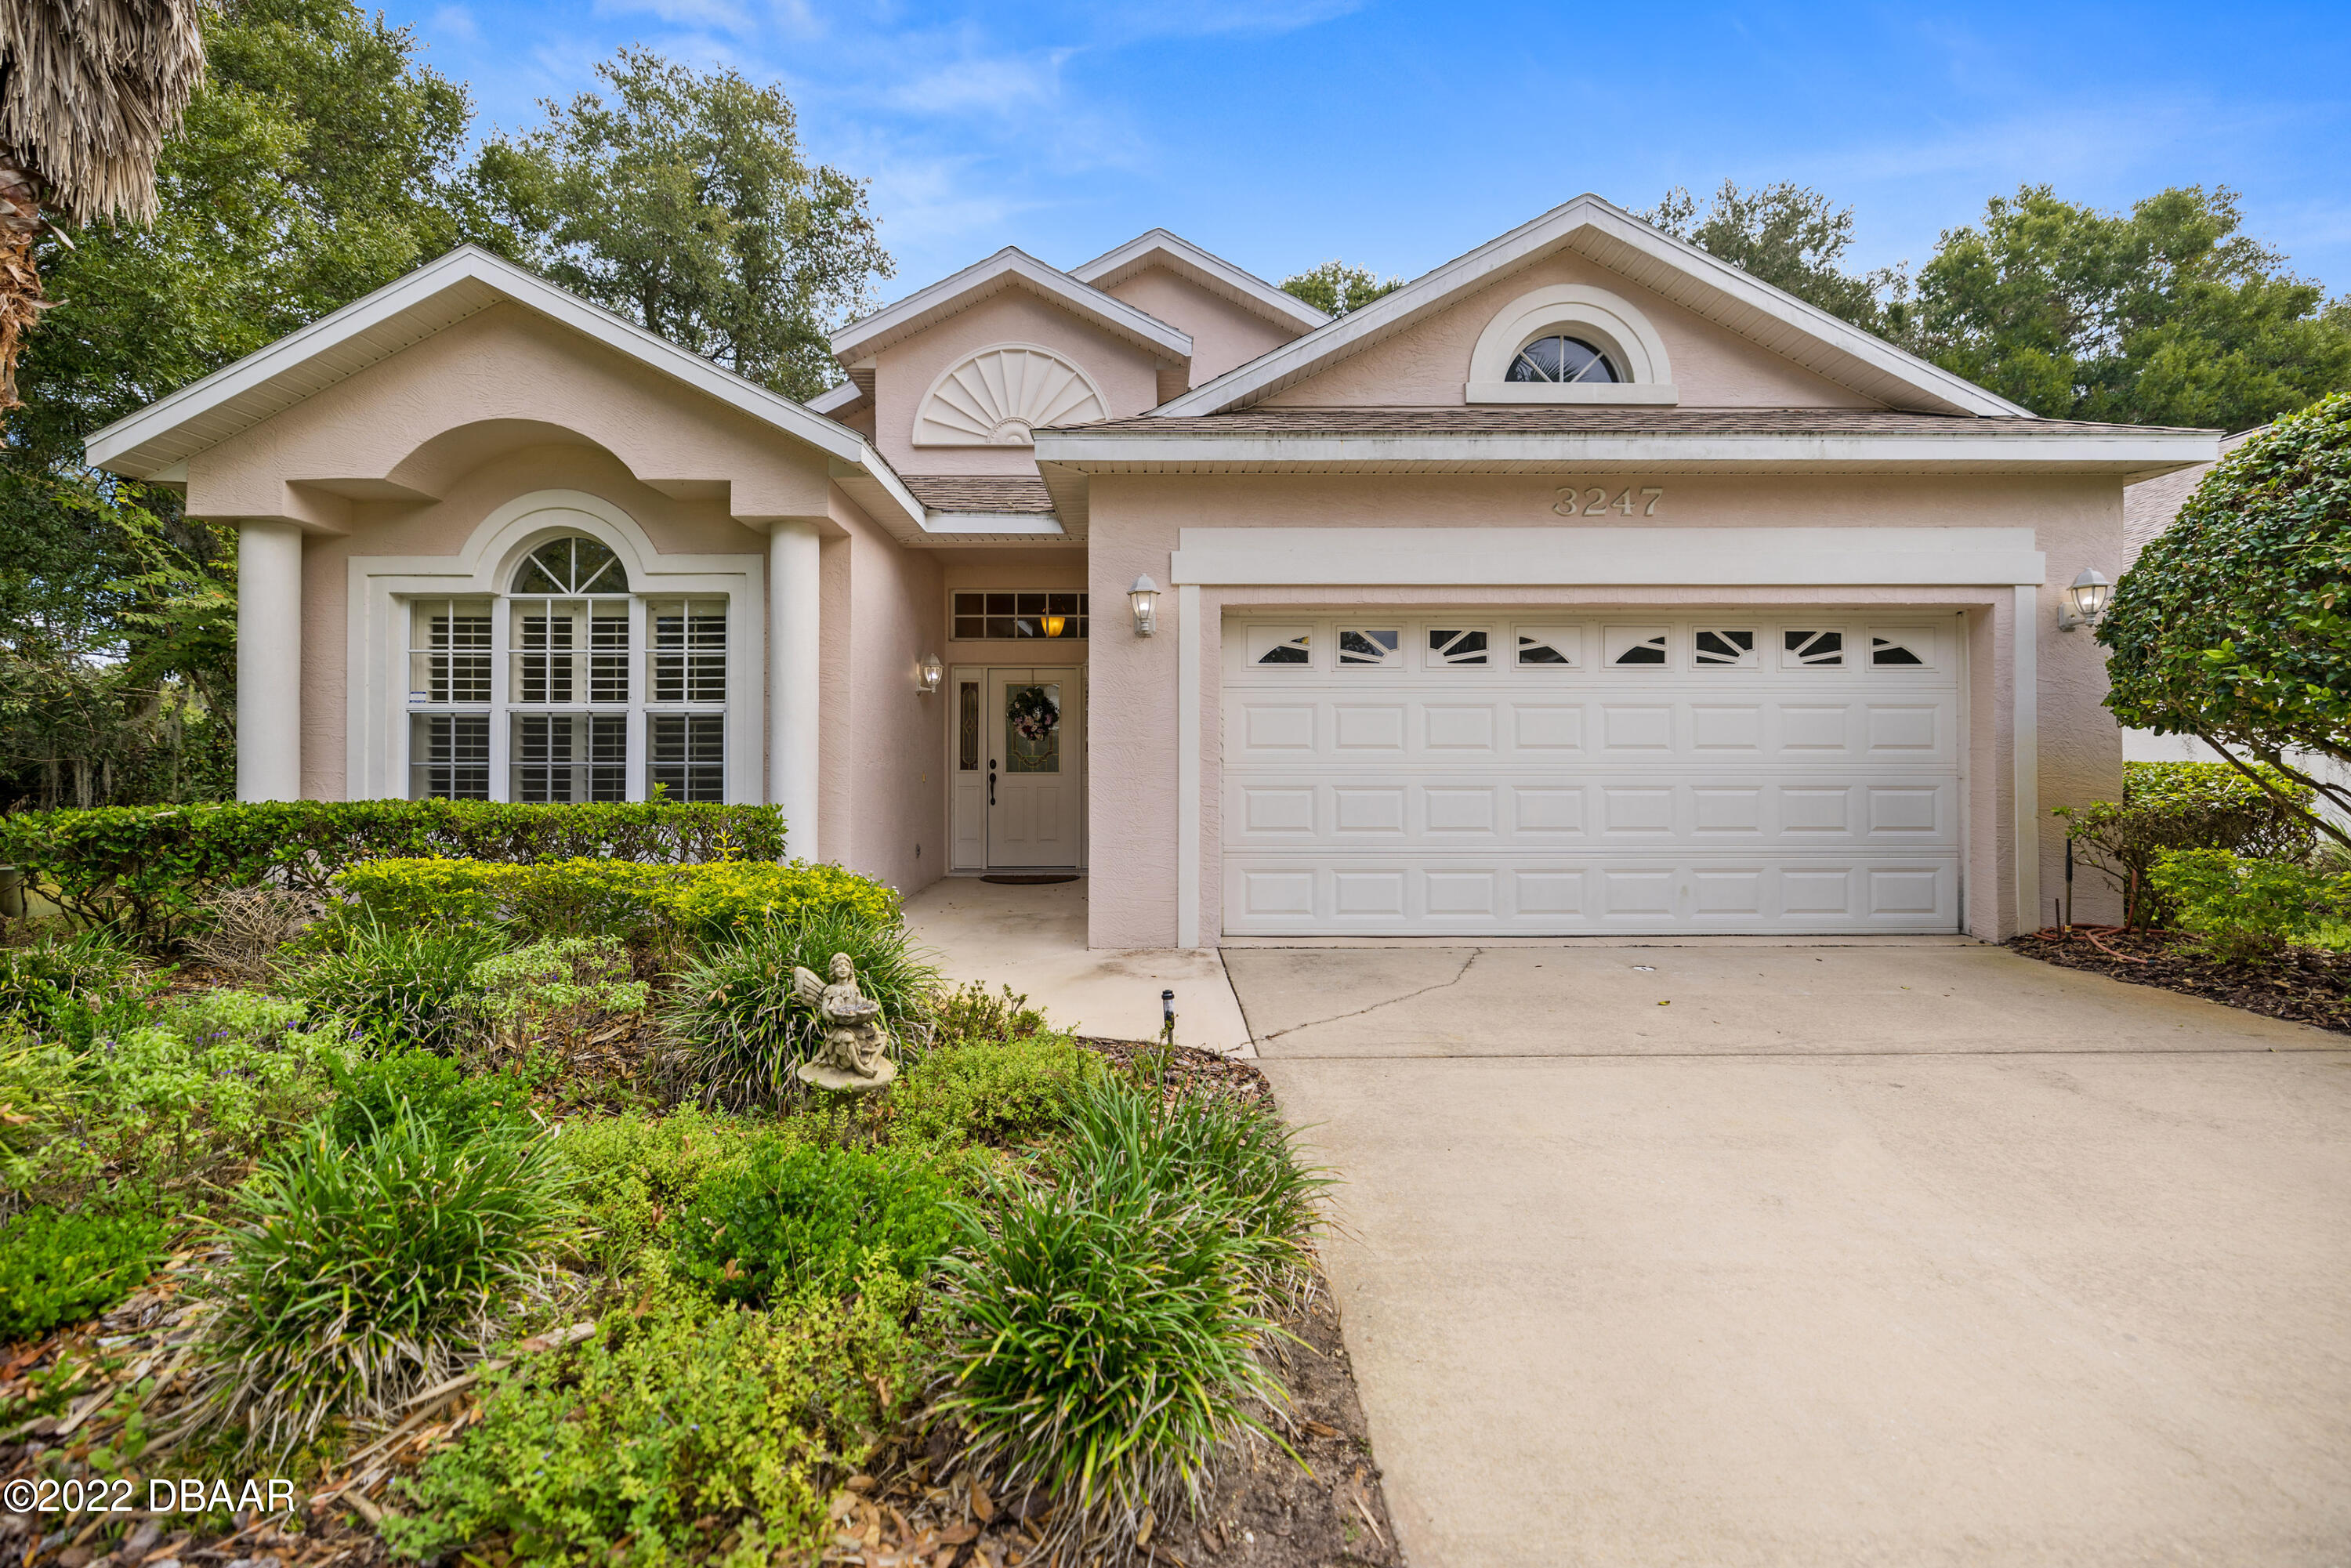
x=1035 y=746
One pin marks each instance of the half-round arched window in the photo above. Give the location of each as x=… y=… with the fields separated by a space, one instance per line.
x=569 y=686
x=573 y=564
x=1561 y=360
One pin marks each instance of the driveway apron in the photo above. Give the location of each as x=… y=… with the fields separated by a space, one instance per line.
x=1899 y=1254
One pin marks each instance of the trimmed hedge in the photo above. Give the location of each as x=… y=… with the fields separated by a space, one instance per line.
x=612 y=897
x=145 y=869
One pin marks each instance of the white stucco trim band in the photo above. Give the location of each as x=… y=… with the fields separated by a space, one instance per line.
x=1191 y=647
x=2024 y=724
x=1608 y=557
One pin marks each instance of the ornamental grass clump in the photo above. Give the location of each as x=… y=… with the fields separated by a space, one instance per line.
x=742 y=1030
x=1235 y=1161
x=1107 y=1355
x=401 y=982
x=360 y=1273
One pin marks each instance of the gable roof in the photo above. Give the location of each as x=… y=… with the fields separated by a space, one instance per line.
x=1159 y=248
x=1614 y=238
x=412 y=308
x=1010 y=267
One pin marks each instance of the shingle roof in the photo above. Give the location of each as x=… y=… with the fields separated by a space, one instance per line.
x=1581 y=418
x=979 y=492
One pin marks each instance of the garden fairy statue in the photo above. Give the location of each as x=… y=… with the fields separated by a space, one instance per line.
x=854 y=1053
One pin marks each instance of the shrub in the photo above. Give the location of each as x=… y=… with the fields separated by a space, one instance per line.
x=969 y=1012
x=1233 y=1161
x=1001 y=1091
x=75 y=987
x=57 y=1268
x=631 y=1171
x=2244 y=908
x=675 y=1428
x=401 y=981
x=2169 y=806
x=246 y=926
x=1106 y=1354
x=743 y=1027
x=562 y=986
x=805 y=1217
x=615 y=898
x=369 y=1094
x=38 y=1101
x=359 y=1273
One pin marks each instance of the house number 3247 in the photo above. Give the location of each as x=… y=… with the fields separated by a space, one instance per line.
x=1594 y=501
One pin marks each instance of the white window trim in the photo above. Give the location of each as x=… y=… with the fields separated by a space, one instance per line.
x=377 y=631
x=1578 y=310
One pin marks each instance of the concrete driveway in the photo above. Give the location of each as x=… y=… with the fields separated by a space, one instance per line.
x=1902 y=1254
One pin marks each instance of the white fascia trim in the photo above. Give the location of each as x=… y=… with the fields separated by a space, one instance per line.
x=467 y=263
x=1183 y=258
x=1097 y=452
x=833 y=400
x=919 y=309
x=1432 y=290
x=1035 y=523
x=1565 y=557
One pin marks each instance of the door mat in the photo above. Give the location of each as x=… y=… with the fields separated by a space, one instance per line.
x=1007 y=878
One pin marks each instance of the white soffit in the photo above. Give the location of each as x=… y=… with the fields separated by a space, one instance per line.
x=1615 y=239
x=1203 y=269
x=1008 y=269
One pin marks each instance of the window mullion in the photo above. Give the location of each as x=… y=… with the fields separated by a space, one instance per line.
x=501 y=697
x=640 y=642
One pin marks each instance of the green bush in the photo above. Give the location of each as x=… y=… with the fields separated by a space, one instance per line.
x=743 y=1027
x=1106 y=1354
x=2243 y=908
x=57 y=1268
x=402 y=981
x=148 y=870
x=631 y=1171
x=359 y=1274
x=1004 y=1090
x=561 y=985
x=681 y=1433
x=369 y=1094
x=1233 y=1161
x=74 y=988
x=800 y=1217
x=38 y=1102
x=218 y=1075
x=2169 y=805
x=970 y=1012
x=615 y=897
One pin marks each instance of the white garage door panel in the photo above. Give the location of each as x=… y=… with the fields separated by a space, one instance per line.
x=1411 y=792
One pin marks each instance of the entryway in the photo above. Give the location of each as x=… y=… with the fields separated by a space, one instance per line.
x=1019 y=751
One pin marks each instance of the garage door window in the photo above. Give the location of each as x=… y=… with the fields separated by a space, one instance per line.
x=1280 y=645
x=1362 y=647
x=1810 y=650
x=1897 y=649
x=1452 y=647
x=1550 y=647
x=1636 y=645
x=1723 y=649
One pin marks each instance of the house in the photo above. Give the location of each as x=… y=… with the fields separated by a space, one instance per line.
x=1584 y=584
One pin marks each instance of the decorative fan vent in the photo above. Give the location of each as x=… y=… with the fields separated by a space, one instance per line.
x=1000 y=394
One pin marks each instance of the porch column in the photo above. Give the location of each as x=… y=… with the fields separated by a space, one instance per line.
x=269 y=660
x=794 y=647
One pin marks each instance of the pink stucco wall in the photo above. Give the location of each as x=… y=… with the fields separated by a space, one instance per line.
x=883 y=751
x=1127 y=375
x=1425 y=364
x=1132 y=705
x=1223 y=334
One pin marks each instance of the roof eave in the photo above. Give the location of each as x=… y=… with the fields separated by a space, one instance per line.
x=1205 y=269
x=1010 y=266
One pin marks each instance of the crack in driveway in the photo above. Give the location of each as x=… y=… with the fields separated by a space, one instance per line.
x=1359 y=1012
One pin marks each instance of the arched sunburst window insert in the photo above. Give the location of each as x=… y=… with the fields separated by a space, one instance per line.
x=568 y=687
x=1563 y=360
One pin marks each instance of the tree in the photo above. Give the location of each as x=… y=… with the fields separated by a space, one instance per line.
x=1791 y=237
x=2168 y=315
x=684 y=201
x=2235 y=625
x=88 y=91
x=1336 y=287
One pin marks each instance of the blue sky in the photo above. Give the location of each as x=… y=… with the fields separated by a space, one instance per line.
x=1283 y=132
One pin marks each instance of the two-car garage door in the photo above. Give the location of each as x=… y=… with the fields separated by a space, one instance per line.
x=1531 y=774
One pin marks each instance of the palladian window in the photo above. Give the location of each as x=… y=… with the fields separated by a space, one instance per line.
x=568 y=687
x=1561 y=360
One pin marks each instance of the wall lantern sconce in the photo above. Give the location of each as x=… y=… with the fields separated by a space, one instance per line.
x=1144 y=597
x=2085 y=601
x=927 y=675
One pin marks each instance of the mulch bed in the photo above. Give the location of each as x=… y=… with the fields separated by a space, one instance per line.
x=2302 y=985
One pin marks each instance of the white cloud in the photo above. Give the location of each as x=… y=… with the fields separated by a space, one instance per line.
x=454 y=22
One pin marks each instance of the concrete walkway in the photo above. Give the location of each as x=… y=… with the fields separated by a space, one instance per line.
x=1899 y=1254
x=1033 y=939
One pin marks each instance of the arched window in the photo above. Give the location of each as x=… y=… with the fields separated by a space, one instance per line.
x=1561 y=360
x=574 y=689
